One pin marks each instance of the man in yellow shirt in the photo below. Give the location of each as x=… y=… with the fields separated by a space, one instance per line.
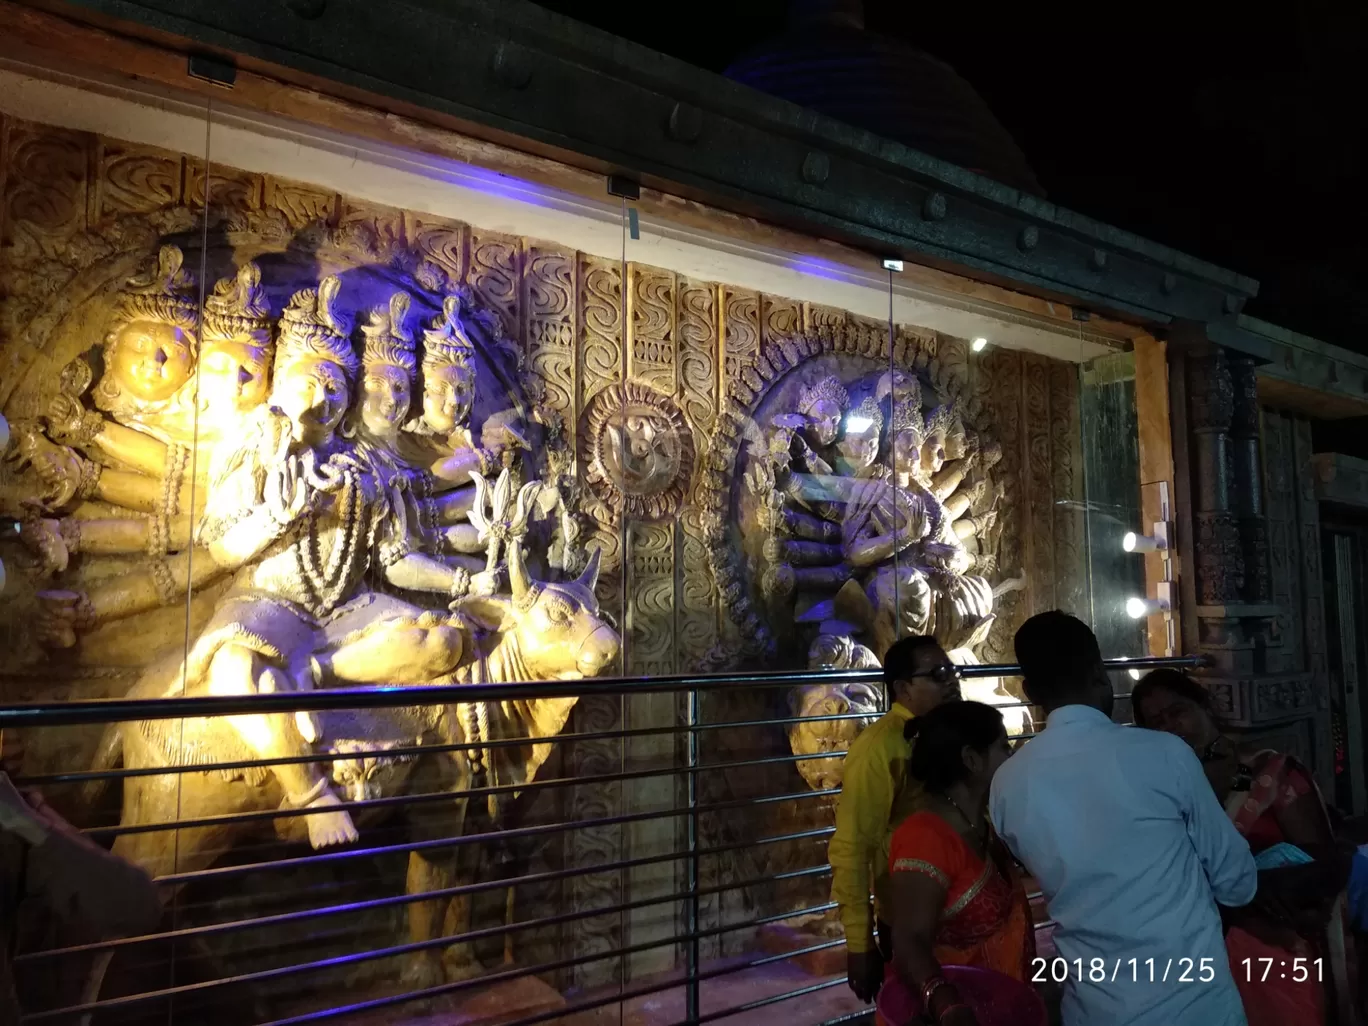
x=876 y=796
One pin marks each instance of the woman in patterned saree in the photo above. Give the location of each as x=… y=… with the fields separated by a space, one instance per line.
x=1275 y=804
x=957 y=898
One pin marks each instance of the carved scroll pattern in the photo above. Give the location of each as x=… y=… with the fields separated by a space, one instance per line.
x=439 y=253
x=591 y=845
x=1313 y=588
x=45 y=185
x=600 y=323
x=229 y=187
x=816 y=317
x=1285 y=641
x=494 y=274
x=1004 y=371
x=652 y=316
x=697 y=328
x=1040 y=511
x=550 y=335
x=780 y=318
x=135 y=180
x=1066 y=464
x=741 y=336
x=378 y=232
x=300 y=204
x=651 y=596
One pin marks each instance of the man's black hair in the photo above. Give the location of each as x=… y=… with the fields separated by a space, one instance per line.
x=900 y=662
x=1059 y=657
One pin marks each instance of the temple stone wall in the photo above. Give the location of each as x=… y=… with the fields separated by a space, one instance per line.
x=79 y=213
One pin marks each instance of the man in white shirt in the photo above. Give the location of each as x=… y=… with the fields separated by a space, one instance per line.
x=1128 y=842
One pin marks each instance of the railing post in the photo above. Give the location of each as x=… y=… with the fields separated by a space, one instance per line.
x=691 y=864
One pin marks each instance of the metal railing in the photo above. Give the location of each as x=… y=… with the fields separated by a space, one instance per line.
x=688 y=768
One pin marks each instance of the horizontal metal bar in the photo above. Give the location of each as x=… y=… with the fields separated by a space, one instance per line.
x=228 y=872
x=214 y=929
x=121 y=710
x=429 y=797
x=513 y=742
x=132 y=1000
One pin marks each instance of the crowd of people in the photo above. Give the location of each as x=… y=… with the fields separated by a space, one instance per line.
x=1187 y=881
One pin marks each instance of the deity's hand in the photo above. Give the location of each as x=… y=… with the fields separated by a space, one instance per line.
x=286 y=491
x=486 y=582
x=42 y=536
x=71 y=423
x=63 y=473
x=62 y=615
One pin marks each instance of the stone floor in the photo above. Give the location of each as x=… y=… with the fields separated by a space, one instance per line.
x=515 y=999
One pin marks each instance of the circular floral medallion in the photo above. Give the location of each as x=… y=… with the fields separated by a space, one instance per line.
x=640 y=451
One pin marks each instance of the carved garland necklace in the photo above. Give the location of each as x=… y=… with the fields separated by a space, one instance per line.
x=326 y=584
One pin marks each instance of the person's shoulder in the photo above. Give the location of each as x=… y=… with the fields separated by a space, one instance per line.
x=875 y=737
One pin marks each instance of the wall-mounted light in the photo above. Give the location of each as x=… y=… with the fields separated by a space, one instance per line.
x=1156 y=542
x=979 y=345
x=1138 y=608
x=892 y=265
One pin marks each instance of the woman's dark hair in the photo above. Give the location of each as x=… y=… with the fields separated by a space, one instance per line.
x=1175 y=682
x=941 y=735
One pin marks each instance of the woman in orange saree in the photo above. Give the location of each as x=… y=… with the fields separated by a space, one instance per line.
x=1272 y=800
x=957 y=898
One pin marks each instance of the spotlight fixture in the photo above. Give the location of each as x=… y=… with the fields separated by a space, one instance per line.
x=979 y=345
x=892 y=265
x=1156 y=542
x=1138 y=608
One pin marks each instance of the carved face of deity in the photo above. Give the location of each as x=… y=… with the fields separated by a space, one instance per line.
x=859 y=445
x=933 y=453
x=234 y=378
x=906 y=452
x=151 y=359
x=448 y=393
x=312 y=393
x=824 y=421
x=386 y=393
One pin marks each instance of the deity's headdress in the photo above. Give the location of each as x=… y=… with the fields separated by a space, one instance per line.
x=904 y=389
x=165 y=294
x=309 y=327
x=386 y=342
x=237 y=309
x=942 y=420
x=445 y=342
x=827 y=389
x=870 y=416
x=907 y=419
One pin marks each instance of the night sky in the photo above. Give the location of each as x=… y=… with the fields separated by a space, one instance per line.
x=1238 y=139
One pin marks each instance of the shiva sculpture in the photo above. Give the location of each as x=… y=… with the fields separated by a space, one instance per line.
x=272 y=466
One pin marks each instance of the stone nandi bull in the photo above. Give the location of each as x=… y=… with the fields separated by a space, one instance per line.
x=541 y=631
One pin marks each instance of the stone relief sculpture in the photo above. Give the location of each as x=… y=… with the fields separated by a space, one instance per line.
x=864 y=509
x=357 y=547
x=524 y=408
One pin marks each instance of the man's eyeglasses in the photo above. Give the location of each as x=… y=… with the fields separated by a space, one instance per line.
x=942 y=674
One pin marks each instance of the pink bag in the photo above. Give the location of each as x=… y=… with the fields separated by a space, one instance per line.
x=997 y=999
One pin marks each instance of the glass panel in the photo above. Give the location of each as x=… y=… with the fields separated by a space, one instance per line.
x=1111 y=462
x=480 y=430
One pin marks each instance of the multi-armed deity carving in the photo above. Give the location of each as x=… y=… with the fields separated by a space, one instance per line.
x=870 y=513
x=355 y=539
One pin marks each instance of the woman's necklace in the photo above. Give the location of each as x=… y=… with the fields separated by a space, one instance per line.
x=974 y=828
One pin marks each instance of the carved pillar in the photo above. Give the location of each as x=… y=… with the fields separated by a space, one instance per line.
x=1248 y=485
x=1217 y=549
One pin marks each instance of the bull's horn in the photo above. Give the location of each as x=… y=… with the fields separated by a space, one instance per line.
x=590 y=576
x=517 y=570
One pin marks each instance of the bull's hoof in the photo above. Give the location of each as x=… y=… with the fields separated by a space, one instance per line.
x=460 y=965
x=421 y=971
